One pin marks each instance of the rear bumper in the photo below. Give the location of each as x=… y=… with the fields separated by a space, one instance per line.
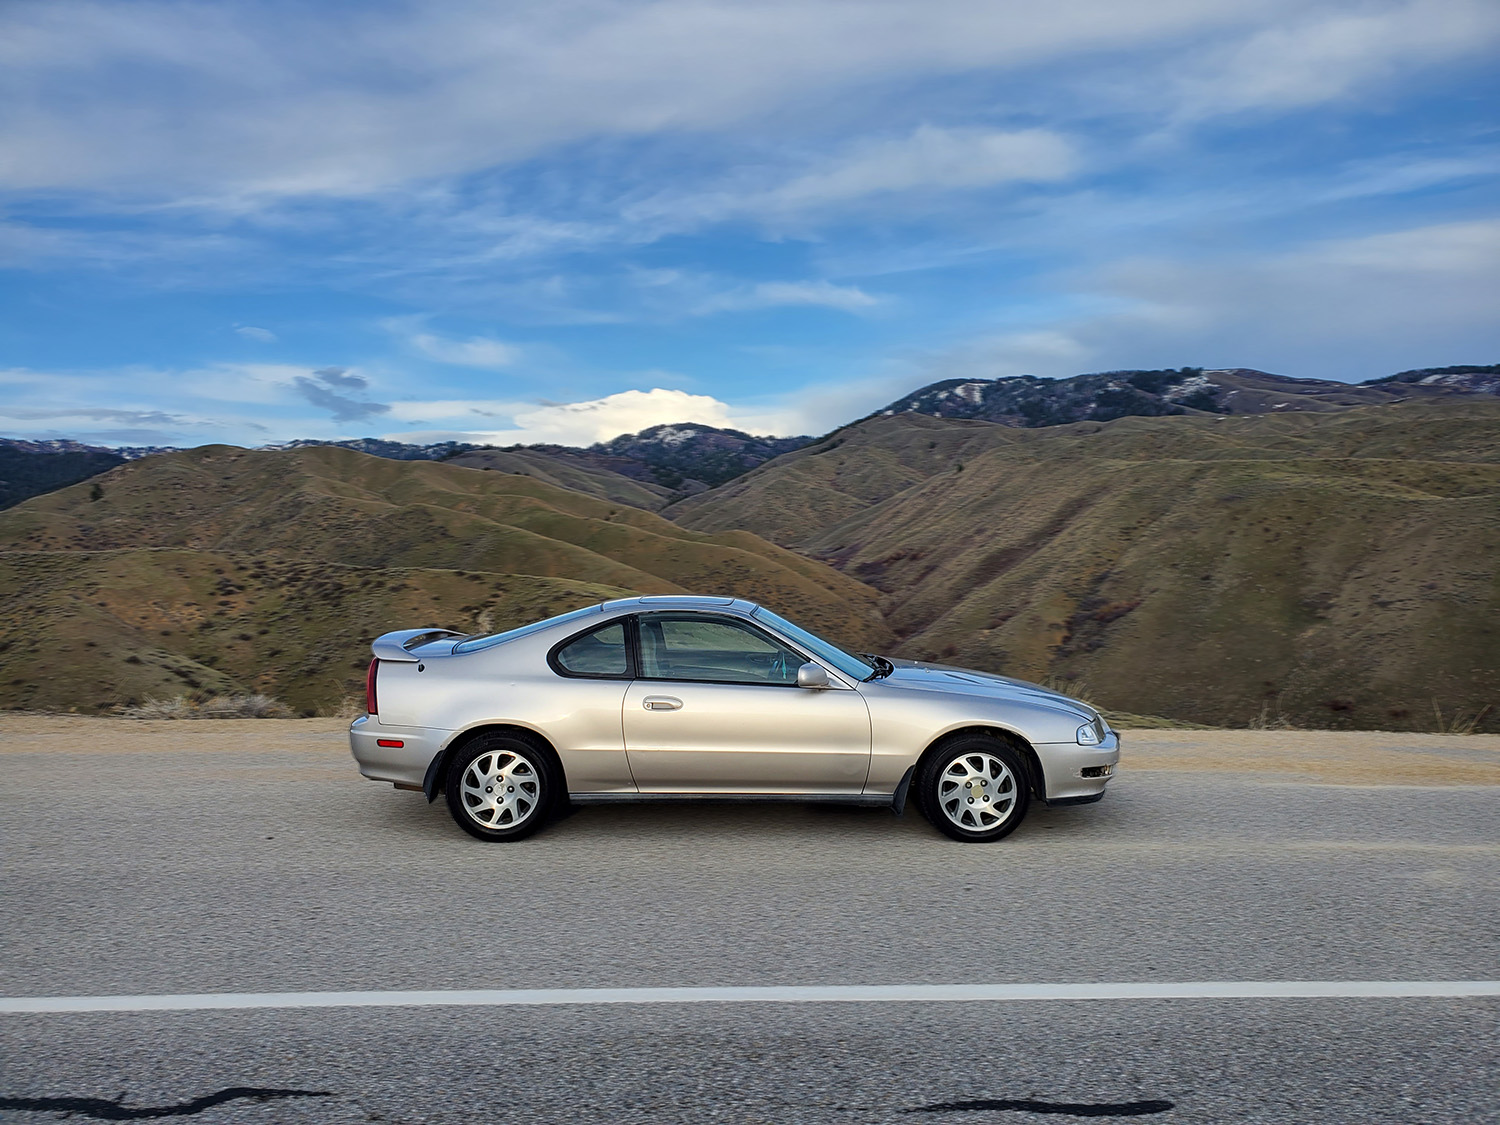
x=1076 y=774
x=405 y=764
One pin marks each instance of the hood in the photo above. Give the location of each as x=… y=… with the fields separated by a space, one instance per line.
x=918 y=675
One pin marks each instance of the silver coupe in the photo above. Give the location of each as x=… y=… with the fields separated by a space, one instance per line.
x=662 y=698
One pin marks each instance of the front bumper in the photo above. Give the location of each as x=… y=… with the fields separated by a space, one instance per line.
x=1071 y=772
x=404 y=764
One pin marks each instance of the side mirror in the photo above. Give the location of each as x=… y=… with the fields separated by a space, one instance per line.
x=812 y=675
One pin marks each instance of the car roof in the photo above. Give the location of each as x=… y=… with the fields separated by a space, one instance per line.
x=680 y=601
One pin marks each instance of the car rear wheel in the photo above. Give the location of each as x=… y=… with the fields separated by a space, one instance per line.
x=974 y=789
x=501 y=787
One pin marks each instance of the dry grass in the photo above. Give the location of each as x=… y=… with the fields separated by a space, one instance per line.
x=1192 y=567
x=349 y=708
x=1458 y=721
x=1269 y=720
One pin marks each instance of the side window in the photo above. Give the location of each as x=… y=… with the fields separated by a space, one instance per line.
x=604 y=652
x=701 y=648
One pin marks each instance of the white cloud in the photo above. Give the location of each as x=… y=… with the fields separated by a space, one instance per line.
x=457 y=412
x=775 y=294
x=243 y=403
x=476 y=351
x=928 y=162
x=259 y=335
x=117 y=407
x=244 y=100
x=584 y=423
x=931 y=158
x=1328 y=55
x=1347 y=308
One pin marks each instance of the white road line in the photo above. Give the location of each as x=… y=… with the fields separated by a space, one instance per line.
x=776 y=994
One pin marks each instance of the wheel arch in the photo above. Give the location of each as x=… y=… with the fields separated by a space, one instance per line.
x=437 y=770
x=1036 y=780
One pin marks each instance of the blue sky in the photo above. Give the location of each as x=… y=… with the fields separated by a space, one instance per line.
x=255 y=221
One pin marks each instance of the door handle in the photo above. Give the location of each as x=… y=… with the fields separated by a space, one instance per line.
x=661 y=703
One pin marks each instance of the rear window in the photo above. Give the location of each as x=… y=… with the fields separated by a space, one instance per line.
x=474 y=644
x=604 y=652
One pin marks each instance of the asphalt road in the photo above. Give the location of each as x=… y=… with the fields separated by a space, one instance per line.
x=253 y=868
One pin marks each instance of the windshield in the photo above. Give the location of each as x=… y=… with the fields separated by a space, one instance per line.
x=475 y=643
x=849 y=665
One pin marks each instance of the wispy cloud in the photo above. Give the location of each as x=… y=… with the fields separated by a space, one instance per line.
x=1326 y=54
x=234 y=100
x=1345 y=308
x=781 y=294
x=259 y=335
x=930 y=158
x=91 y=414
x=476 y=351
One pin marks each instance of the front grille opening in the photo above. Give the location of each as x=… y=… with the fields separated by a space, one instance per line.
x=1095 y=771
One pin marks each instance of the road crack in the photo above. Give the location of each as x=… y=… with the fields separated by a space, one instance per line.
x=1075 y=1109
x=102 y=1109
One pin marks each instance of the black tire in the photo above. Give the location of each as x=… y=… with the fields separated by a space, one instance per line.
x=532 y=781
x=974 y=789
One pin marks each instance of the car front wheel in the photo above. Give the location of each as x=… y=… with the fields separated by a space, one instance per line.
x=974 y=789
x=500 y=787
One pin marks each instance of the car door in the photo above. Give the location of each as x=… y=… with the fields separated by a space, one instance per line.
x=715 y=708
x=580 y=710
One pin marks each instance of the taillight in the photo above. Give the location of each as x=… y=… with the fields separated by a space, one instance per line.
x=371 y=705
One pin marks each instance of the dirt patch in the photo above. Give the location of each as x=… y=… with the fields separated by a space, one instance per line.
x=1330 y=757
x=31 y=734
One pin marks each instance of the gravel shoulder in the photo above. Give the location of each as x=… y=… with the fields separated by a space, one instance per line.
x=1322 y=757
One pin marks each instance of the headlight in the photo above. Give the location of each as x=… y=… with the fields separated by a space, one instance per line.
x=1088 y=735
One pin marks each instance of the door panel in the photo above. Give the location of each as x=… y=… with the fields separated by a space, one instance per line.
x=582 y=719
x=745 y=738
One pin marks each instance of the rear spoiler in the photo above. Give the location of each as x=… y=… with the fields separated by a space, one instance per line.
x=398 y=645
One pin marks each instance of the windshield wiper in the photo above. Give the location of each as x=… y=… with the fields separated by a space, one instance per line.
x=883 y=667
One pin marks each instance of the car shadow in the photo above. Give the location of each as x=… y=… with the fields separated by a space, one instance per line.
x=411 y=817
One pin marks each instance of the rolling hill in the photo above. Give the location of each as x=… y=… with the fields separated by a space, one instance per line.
x=1323 y=568
x=1222 y=546
x=222 y=568
x=30 y=468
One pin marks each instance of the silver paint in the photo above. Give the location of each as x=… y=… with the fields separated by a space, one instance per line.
x=846 y=739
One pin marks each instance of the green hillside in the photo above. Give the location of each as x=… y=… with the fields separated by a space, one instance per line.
x=1330 y=569
x=226 y=569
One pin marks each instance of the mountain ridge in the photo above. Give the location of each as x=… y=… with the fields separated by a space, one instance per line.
x=670 y=460
x=1325 y=568
x=1028 y=401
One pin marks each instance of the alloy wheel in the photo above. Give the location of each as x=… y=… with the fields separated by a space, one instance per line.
x=500 y=789
x=977 y=791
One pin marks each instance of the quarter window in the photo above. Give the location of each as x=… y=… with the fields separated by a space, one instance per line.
x=603 y=652
x=703 y=648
